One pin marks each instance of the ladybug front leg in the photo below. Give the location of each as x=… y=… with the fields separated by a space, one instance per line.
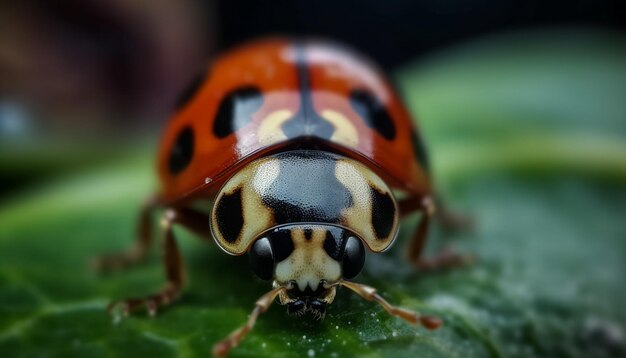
x=221 y=348
x=369 y=293
x=174 y=271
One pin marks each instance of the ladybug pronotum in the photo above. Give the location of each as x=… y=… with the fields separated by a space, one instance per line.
x=298 y=145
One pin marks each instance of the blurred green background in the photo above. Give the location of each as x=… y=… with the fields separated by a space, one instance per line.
x=527 y=133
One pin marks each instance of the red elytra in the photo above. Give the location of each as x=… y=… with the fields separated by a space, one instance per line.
x=276 y=68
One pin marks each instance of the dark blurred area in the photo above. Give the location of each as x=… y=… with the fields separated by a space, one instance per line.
x=117 y=62
x=396 y=31
x=78 y=72
x=73 y=62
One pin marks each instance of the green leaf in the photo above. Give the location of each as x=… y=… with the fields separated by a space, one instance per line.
x=527 y=134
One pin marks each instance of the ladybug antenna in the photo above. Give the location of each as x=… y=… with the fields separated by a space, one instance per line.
x=369 y=293
x=221 y=348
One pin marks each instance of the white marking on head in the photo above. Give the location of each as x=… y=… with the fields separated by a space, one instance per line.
x=265 y=175
x=309 y=263
x=359 y=215
x=359 y=180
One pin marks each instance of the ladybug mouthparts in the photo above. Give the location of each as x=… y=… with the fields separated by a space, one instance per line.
x=314 y=306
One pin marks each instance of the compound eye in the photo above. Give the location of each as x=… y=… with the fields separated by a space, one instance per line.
x=353 y=257
x=262 y=259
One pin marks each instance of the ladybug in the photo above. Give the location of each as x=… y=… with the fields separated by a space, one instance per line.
x=309 y=159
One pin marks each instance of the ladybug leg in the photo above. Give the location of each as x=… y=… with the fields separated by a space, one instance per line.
x=187 y=217
x=418 y=241
x=196 y=221
x=135 y=253
x=174 y=273
x=221 y=348
x=452 y=220
x=369 y=293
x=446 y=258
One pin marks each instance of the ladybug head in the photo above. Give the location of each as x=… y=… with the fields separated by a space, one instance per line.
x=308 y=259
x=305 y=217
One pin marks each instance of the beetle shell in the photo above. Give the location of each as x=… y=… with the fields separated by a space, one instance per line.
x=275 y=93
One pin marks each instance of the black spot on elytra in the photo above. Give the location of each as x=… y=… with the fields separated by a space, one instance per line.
x=420 y=151
x=306 y=189
x=229 y=215
x=182 y=151
x=383 y=213
x=236 y=110
x=190 y=91
x=373 y=112
x=282 y=245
